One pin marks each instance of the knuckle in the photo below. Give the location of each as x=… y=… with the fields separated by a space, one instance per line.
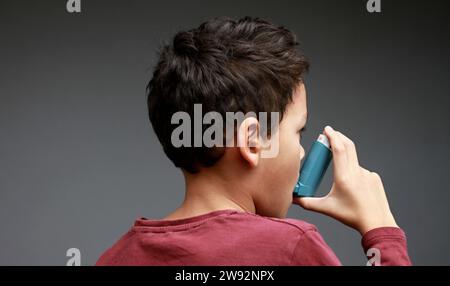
x=343 y=180
x=376 y=176
x=351 y=144
x=339 y=148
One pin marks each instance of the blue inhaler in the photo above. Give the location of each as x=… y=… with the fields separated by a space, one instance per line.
x=313 y=168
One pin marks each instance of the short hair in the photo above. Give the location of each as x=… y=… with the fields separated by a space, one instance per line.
x=227 y=66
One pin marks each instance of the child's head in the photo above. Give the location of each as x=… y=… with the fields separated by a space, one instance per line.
x=249 y=65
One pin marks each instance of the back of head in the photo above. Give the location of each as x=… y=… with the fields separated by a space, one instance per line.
x=248 y=65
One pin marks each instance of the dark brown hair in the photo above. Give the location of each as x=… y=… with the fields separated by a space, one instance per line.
x=227 y=66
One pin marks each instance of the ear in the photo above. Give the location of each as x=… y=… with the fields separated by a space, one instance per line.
x=248 y=141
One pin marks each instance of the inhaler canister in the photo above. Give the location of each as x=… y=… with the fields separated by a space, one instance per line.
x=314 y=168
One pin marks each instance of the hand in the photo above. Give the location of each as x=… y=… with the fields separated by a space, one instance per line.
x=357 y=197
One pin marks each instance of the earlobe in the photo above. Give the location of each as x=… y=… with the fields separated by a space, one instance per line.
x=249 y=141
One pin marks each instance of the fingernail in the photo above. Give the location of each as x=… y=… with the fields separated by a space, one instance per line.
x=328 y=128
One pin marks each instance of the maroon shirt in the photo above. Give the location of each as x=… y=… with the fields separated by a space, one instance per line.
x=229 y=237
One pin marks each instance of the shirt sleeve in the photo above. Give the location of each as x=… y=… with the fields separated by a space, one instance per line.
x=311 y=249
x=386 y=246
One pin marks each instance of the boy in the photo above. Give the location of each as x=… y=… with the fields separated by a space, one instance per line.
x=236 y=200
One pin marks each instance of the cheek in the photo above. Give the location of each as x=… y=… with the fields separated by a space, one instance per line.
x=291 y=153
x=281 y=172
x=280 y=176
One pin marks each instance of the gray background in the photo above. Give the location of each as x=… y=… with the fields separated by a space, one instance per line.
x=79 y=160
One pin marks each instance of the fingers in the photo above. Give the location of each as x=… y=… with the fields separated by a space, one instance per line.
x=339 y=151
x=320 y=205
x=352 y=157
x=344 y=150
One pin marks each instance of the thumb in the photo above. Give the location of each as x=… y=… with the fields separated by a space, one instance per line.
x=320 y=205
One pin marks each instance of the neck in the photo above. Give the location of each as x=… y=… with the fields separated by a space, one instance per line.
x=207 y=193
